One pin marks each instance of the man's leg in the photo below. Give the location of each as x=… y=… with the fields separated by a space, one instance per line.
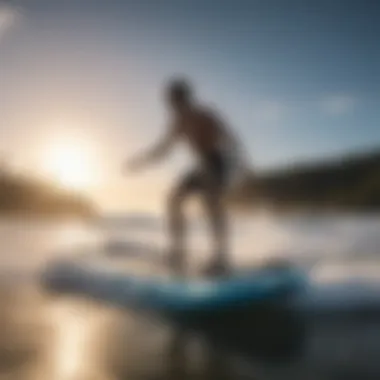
x=219 y=225
x=176 y=231
x=177 y=223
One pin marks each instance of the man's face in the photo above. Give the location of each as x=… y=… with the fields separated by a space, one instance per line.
x=177 y=105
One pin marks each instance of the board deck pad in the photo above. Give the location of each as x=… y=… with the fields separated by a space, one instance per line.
x=139 y=285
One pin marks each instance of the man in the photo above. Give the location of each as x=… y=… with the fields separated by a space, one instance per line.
x=215 y=147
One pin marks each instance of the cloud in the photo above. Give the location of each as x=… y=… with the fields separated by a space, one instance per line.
x=337 y=104
x=8 y=16
x=270 y=112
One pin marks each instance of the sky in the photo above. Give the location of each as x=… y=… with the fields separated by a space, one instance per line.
x=82 y=80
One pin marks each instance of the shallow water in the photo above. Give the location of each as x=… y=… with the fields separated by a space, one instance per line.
x=43 y=336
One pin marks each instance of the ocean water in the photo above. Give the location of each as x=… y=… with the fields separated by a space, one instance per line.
x=49 y=337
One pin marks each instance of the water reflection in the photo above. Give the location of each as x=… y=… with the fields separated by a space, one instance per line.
x=48 y=337
x=41 y=337
x=72 y=332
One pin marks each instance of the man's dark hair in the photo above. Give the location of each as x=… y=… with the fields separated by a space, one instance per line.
x=179 y=90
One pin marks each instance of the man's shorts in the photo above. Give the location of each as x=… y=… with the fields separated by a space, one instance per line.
x=213 y=174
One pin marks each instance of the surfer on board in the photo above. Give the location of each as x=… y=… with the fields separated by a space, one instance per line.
x=218 y=152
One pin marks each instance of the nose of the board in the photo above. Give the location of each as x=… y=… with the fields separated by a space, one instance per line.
x=58 y=277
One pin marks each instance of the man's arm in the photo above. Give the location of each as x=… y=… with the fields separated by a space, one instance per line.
x=157 y=152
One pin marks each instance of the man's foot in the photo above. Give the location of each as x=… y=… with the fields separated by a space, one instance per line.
x=277 y=264
x=176 y=262
x=216 y=268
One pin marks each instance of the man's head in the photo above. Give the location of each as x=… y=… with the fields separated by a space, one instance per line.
x=179 y=94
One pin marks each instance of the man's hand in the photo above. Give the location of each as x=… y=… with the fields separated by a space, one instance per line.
x=156 y=153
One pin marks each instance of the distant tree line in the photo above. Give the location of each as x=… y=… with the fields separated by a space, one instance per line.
x=20 y=194
x=349 y=183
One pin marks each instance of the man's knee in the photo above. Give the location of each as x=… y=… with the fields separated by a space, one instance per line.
x=175 y=201
x=213 y=201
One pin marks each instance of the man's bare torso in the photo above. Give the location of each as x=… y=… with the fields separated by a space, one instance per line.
x=202 y=129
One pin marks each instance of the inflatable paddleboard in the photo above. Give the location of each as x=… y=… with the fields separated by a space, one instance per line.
x=127 y=288
x=245 y=313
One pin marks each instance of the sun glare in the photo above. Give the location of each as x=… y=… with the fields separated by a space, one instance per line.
x=70 y=165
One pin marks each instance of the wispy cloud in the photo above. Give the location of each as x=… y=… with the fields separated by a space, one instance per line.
x=338 y=104
x=270 y=113
x=8 y=17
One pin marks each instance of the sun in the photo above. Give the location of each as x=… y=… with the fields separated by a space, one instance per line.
x=70 y=165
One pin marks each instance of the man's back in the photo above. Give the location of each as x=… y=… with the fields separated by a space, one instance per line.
x=202 y=128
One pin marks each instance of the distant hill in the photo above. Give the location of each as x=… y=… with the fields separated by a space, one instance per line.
x=349 y=183
x=27 y=196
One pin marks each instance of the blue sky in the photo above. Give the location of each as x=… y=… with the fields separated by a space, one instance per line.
x=297 y=79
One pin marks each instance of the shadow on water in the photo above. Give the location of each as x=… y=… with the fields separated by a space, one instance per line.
x=46 y=337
